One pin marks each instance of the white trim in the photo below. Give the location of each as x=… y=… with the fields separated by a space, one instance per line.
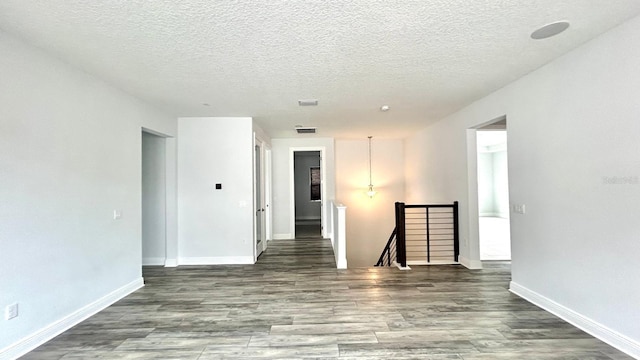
x=282 y=236
x=171 y=263
x=611 y=337
x=152 y=261
x=310 y=217
x=400 y=266
x=424 y=262
x=470 y=264
x=171 y=203
x=216 y=260
x=470 y=241
x=257 y=180
x=47 y=333
x=267 y=193
x=489 y=214
x=339 y=234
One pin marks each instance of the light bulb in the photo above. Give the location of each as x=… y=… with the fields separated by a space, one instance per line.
x=371 y=192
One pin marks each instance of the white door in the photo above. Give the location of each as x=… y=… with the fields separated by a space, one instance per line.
x=259 y=203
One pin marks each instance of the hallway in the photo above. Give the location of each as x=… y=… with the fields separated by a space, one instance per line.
x=294 y=304
x=308 y=229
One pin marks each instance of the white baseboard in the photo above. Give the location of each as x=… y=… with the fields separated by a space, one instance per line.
x=470 y=264
x=171 y=263
x=152 y=261
x=282 y=236
x=432 y=263
x=611 y=337
x=495 y=215
x=216 y=260
x=47 y=333
x=400 y=266
x=488 y=214
x=315 y=218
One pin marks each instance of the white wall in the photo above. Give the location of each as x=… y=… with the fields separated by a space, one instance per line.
x=493 y=179
x=70 y=150
x=305 y=208
x=282 y=217
x=153 y=200
x=573 y=126
x=215 y=226
x=500 y=184
x=370 y=221
x=486 y=203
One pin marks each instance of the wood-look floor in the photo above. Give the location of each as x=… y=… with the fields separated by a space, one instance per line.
x=295 y=304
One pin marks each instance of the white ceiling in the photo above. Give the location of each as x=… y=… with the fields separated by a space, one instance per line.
x=425 y=59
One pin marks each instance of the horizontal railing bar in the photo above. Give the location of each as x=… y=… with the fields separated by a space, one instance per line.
x=428 y=206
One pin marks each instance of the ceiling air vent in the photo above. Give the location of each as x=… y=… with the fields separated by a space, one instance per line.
x=308 y=102
x=306 y=130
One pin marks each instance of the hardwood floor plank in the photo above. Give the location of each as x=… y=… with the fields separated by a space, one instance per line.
x=269 y=352
x=419 y=336
x=315 y=339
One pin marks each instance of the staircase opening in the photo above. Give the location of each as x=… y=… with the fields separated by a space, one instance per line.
x=424 y=235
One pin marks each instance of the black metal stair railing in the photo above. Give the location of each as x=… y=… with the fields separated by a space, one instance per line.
x=424 y=234
x=388 y=255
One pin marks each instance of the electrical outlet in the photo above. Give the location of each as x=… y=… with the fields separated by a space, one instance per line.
x=11 y=311
x=117 y=214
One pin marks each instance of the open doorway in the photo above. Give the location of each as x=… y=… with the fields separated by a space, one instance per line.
x=308 y=194
x=262 y=196
x=154 y=184
x=493 y=192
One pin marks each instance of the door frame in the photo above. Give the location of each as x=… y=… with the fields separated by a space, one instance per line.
x=292 y=188
x=268 y=190
x=262 y=145
x=491 y=128
x=473 y=242
x=170 y=213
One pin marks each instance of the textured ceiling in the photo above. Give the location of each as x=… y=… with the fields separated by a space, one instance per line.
x=425 y=59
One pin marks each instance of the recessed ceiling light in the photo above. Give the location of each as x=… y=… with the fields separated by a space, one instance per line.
x=384 y=108
x=308 y=102
x=550 y=30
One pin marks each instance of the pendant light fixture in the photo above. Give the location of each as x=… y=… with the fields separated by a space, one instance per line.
x=371 y=192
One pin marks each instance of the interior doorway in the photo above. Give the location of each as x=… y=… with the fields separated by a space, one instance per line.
x=308 y=194
x=493 y=192
x=262 y=195
x=258 y=201
x=153 y=200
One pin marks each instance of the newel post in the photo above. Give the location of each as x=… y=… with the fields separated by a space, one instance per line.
x=401 y=245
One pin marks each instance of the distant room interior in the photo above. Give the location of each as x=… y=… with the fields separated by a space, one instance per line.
x=493 y=195
x=308 y=196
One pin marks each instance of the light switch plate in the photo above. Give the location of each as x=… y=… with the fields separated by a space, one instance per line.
x=11 y=311
x=519 y=208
